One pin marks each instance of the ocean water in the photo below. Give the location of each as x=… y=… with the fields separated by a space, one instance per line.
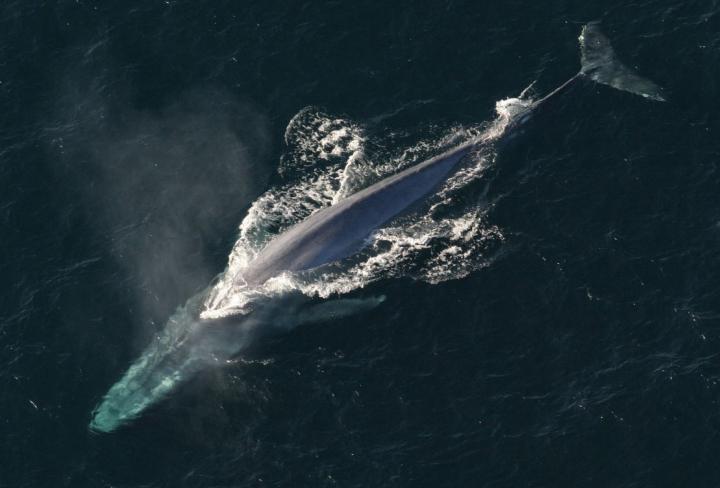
x=550 y=318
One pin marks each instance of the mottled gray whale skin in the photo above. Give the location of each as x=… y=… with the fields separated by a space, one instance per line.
x=340 y=230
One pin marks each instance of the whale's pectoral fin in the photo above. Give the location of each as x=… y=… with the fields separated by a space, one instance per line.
x=600 y=64
x=338 y=308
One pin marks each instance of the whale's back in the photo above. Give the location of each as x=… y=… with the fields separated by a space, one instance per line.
x=336 y=232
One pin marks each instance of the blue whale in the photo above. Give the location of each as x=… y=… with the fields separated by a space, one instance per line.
x=190 y=343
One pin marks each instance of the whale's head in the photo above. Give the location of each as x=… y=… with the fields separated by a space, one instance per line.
x=189 y=344
x=149 y=379
x=186 y=345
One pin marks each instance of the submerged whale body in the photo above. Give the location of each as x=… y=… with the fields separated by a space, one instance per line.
x=190 y=342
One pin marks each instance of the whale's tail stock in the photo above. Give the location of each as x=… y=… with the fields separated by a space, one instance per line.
x=600 y=64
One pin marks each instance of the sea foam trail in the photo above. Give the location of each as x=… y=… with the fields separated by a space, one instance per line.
x=327 y=160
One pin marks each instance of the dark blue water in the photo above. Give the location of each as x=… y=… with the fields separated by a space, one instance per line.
x=135 y=135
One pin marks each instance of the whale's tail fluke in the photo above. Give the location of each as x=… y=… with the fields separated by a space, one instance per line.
x=600 y=64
